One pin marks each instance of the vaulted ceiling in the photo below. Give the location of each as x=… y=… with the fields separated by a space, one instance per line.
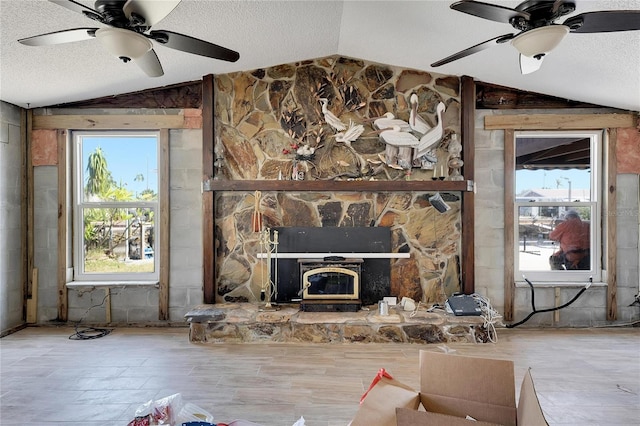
x=601 y=69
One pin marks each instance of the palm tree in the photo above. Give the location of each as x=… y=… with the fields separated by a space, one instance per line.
x=98 y=174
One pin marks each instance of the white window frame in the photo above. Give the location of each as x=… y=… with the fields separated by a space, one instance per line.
x=79 y=203
x=561 y=277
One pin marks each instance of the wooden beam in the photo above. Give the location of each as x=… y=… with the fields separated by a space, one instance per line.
x=25 y=185
x=509 y=242
x=181 y=95
x=559 y=121
x=208 y=196
x=30 y=218
x=108 y=122
x=335 y=186
x=165 y=246
x=63 y=301
x=491 y=96
x=467 y=251
x=32 y=303
x=611 y=223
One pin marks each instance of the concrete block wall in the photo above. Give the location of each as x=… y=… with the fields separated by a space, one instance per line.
x=11 y=220
x=185 y=192
x=628 y=233
x=489 y=212
x=45 y=240
x=590 y=308
x=131 y=305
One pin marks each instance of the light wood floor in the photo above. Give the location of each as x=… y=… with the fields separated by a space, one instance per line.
x=583 y=376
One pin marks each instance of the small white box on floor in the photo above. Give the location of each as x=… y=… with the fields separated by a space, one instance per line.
x=391 y=300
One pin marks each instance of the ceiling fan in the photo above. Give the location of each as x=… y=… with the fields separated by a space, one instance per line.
x=539 y=34
x=128 y=34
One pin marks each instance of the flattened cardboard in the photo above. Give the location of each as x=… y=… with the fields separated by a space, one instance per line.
x=529 y=410
x=379 y=406
x=408 y=417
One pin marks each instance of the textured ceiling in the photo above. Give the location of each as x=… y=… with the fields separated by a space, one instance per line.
x=602 y=69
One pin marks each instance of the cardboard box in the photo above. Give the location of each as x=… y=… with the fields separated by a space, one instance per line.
x=453 y=387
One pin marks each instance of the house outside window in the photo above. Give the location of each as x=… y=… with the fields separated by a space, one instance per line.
x=116 y=206
x=557 y=206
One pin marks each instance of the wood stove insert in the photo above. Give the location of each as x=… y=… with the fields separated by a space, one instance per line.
x=330 y=284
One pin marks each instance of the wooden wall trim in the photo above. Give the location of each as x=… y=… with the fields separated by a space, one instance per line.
x=208 y=196
x=25 y=163
x=30 y=218
x=109 y=122
x=163 y=294
x=611 y=223
x=63 y=301
x=559 y=121
x=468 y=95
x=509 y=241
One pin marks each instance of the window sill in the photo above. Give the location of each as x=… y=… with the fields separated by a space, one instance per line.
x=565 y=284
x=103 y=284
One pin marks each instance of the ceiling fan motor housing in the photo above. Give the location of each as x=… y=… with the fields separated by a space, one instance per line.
x=542 y=13
x=112 y=13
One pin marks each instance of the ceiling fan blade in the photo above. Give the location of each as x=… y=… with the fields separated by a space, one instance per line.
x=474 y=49
x=488 y=11
x=153 y=11
x=530 y=64
x=74 y=6
x=150 y=64
x=604 y=21
x=60 y=37
x=193 y=45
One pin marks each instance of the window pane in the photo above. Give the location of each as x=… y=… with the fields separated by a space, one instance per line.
x=119 y=168
x=118 y=240
x=553 y=185
x=553 y=168
x=554 y=237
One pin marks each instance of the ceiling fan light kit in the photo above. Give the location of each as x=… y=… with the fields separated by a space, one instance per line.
x=540 y=41
x=538 y=33
x=124 y=44
x=127 y=33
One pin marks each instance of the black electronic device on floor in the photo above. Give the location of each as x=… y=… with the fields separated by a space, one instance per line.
x=463 y=305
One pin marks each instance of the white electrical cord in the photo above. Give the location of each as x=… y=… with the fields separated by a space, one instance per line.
x=490 y=316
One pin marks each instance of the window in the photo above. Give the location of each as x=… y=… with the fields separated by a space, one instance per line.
x=557 y=212
x=116 y=206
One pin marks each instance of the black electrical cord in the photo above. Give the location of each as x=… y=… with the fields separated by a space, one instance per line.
x=89 y=333
x=533 y=303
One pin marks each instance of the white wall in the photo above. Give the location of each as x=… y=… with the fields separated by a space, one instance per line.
x=590 y=308
x=11 y=290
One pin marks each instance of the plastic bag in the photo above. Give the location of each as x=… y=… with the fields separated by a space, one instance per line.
x=169 y=411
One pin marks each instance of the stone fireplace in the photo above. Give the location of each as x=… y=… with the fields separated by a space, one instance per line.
x=271 y=127
x=403 y=223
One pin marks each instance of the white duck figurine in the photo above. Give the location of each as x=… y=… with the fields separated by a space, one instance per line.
x=399 y=147
x=417 y=123
x=330 y=117
x=388 y=120
x=429 y=140
x=396 y=137
x=351 y=134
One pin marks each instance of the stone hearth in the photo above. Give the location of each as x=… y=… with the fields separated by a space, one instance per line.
x=251 y=323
